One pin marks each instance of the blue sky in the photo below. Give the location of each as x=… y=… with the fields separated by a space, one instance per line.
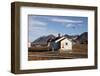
x=40 y=25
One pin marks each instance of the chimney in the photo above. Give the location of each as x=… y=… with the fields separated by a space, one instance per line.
x=58 y=34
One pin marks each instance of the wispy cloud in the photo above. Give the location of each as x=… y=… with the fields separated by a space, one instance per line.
x=72 y=25
x=37 y=23
x=68 y=23
x=66 y=20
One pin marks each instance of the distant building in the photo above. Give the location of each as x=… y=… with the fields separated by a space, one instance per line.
x=60 y=43
x=29 y=44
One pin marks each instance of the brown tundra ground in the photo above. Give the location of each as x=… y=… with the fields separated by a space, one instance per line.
x=42 y=53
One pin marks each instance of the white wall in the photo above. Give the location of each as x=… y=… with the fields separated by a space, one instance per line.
x=5 y=33
x=65 y=47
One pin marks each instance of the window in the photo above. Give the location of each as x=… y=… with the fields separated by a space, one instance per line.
x=66 y=43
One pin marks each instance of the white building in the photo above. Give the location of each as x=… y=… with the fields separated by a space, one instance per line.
x=65 y=44
x=29 y=44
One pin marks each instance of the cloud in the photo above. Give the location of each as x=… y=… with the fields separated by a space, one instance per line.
x=37 y=23
x=66 y=20
x=68 y=23
x=72 y=25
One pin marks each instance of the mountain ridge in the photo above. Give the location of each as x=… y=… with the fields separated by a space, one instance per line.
x=83 y=37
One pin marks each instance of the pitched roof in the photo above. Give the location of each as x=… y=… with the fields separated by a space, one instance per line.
x=62 y=38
